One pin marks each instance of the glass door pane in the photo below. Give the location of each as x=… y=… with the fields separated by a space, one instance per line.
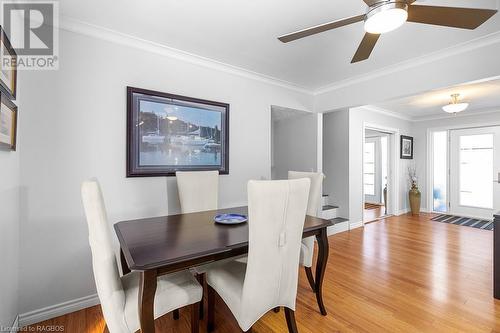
x=369 y=168
x=440 y=171
x=476 y=170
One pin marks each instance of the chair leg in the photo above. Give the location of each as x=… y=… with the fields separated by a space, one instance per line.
x=195 y=317
x=201 y=280
x=176 y=314
x=290 y=321
x=276 y=309
x=211 y=309
x=310 y=278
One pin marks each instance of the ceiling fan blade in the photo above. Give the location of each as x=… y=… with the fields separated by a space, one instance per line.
x=371 y=2
x=365 y=48
x=320 y=28
x=465 y=18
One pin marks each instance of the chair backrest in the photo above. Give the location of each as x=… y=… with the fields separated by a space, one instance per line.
x=314 y=203
x=107 y=278
x=276 y=212
x=198 y=190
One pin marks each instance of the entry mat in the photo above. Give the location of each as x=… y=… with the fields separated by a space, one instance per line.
x=466 y=221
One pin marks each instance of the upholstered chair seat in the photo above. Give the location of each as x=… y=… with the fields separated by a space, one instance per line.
x=119 y=295
x=173 y=291
x=269 y=279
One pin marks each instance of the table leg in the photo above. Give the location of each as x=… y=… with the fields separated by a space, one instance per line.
x=123 y=262
x=322 y=239
x=147 y=290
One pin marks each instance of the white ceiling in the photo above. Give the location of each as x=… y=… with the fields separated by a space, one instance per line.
x=482 y=97
x=244 y=33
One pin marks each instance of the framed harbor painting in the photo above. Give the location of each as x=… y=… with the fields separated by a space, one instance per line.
x=168 y=133
x=8 y=123
x=8 y=65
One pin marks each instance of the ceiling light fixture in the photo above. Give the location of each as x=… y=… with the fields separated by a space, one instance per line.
x=387 y=17
x=171 y=118
x=455 y=106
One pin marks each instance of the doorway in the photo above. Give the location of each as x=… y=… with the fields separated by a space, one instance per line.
x=466 y=162
x=376 y=172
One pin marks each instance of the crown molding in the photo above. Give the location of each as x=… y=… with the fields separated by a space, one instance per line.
x=98 y=32
x=83 y=28
x=464 y=47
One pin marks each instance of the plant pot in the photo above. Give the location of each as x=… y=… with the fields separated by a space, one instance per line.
x=415 y=198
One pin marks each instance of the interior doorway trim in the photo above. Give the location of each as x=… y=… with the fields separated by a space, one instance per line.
x=393 y=176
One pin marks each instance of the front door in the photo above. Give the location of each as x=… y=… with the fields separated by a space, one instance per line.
x=474 y=165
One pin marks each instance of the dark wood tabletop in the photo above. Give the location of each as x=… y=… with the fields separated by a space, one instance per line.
x=167 y=240
x=162 y=245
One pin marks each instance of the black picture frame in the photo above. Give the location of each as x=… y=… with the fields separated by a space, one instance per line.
x=10 y=88
x=5 y=100
x=209 y=141
x=406 y=147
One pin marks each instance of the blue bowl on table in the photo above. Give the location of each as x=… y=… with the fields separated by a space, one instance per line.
x=230 y=219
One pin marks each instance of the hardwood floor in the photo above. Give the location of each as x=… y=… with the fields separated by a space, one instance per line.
x=402 y=274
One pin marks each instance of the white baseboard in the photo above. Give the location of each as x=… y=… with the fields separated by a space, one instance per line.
x=402 y=212
x=339 y=227
x=355 y=225
x=15 y=326
x=57 y=310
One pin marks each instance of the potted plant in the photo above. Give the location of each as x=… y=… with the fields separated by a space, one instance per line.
x=414 y=194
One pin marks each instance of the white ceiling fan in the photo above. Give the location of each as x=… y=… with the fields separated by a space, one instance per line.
x=385 y=16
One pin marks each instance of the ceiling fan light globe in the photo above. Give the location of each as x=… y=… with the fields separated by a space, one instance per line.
x=386 y=18
x=455 y=107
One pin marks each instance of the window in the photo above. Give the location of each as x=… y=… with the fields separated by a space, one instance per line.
x=440 y=171
x=369 y=168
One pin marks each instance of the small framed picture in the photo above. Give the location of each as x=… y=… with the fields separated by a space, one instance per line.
x=8 y=66
x=8 y=123
x=406 y=147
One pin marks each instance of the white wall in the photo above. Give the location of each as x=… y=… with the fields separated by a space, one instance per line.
x=357 y=118
x=74 y=128
x=9 y=236
x=420 y=130
x=294 y=144
x=336 y=159
x=9 y=220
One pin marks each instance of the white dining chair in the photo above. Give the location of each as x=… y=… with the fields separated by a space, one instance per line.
x=276 y=211
x=198 y=190
x=313 y=209
x=119 y=295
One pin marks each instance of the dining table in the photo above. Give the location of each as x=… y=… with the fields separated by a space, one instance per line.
x=162 y=245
